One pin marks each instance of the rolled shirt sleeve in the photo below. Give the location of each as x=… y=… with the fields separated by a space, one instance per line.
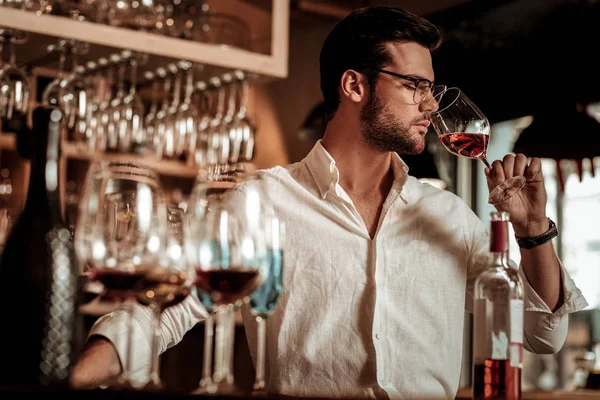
x=545 y=331
x=175 y=322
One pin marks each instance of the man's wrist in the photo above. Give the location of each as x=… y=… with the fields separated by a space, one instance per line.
x=530 y=242
x=532 y=229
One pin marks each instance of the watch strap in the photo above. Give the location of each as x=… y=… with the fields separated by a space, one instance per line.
x=531 y=242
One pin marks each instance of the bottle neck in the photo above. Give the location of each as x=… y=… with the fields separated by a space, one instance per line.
x=499 y=243
x=43 y=189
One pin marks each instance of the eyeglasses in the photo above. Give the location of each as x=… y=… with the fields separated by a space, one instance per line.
x=422 y=87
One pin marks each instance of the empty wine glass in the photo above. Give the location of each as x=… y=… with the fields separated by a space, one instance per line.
x=53 y=93
x=465 y=131
x=75 y=101
x=245 y=127
x=14 y=83
x=264 y=299
x=83 y=10
x=146 y=15
x=131 y=110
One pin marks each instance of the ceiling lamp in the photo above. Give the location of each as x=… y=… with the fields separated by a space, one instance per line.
x=567 y=133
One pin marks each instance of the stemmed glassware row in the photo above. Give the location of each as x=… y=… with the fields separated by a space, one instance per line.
x=200 y=122
x=225 y=248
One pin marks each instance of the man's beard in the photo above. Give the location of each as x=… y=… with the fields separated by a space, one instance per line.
x=382 y=132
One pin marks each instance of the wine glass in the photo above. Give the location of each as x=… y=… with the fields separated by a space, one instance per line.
x=166 y=284
x=195 y=212
x=120 y=235
x=14 y=82
x=264 y=299
x=148 y=15
x=228 y=248
x=465 y=131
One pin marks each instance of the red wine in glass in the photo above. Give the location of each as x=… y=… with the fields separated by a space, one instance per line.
x=227 y=286
x=119 y=284
x=464 y=131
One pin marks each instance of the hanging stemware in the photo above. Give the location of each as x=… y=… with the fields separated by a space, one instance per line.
x=14 y=82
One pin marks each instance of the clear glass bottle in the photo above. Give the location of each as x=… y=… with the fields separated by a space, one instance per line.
x=498 y=321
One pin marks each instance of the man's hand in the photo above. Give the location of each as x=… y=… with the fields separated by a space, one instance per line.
x=527 y=208
x=97 y=364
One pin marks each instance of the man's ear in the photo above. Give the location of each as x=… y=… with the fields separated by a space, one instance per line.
x=354 y=86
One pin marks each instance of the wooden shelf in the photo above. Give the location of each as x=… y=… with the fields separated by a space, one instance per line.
x=70 y=150
x=44 y=29
x=161 y=166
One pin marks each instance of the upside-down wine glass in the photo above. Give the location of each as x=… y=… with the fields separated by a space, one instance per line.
x=465 y=131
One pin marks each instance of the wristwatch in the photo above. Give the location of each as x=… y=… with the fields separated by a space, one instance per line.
x=531 y=242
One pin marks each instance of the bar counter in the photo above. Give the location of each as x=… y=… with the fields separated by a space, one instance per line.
x=463 y=394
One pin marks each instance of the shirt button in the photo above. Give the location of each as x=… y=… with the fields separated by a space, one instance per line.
x=377 y=336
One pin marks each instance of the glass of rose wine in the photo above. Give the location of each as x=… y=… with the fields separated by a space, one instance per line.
x=465 y=131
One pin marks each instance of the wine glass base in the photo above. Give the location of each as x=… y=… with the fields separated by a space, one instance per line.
x=226 y=388
x=506 y=190
x=259 y=392
x=208 y=388
x=153 y=387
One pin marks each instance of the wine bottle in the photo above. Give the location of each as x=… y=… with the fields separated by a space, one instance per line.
x=40 y=320
x=498 y=321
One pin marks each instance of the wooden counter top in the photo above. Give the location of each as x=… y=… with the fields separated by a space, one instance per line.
x=465 y=394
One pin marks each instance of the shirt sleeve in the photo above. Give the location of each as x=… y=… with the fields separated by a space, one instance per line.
x=544 y=331
x=174 y=324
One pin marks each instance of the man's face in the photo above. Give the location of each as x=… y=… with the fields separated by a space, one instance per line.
x=390 y=120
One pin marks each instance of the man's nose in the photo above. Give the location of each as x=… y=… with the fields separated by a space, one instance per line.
x=430 y=104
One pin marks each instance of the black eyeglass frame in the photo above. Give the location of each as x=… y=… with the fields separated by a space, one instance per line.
x=416 y=81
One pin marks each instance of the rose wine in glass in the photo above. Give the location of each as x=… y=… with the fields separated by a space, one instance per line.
x=465 y=131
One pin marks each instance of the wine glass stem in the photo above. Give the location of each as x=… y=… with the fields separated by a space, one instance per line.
x=230 y=345
x=209 y=333
x=225 y=346
x=155 y=351
x=486 y=162
x=220 y=342
x=259 y=382
x=12 y=60
x=125 y=377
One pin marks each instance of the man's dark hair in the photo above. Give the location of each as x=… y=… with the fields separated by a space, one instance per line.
x=359 y=41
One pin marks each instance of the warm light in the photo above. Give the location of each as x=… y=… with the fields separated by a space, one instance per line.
x=153 y=244
x=98 y=250
x=144 y=208
x=438 y=183
x=205 y=254
x=248 y=252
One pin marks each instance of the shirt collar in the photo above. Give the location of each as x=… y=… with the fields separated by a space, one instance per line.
x=324 y=171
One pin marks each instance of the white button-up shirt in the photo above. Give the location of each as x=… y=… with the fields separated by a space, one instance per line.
x=362 y=317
